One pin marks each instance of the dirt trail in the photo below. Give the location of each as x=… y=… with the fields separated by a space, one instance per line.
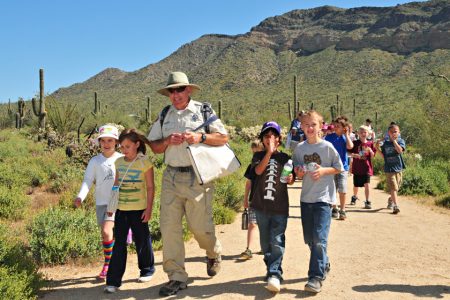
x=373 y=254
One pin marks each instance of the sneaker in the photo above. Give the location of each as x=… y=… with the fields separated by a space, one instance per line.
x=104 y=272
x=110 y=289
x=342 y=215
x=353 y=201
x=335 y=213
x=172 y=287
x=390 y=203
x=396 y=210
x=313 y=285
x=273 y=284
x=367 y=204
x=213 y=265
x=145 y=278
x=247 y=254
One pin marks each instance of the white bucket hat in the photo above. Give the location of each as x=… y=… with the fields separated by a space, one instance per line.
x=177 y=79
x=108 y=131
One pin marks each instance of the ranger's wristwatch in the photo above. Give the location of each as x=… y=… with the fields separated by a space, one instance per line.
x=203 y=139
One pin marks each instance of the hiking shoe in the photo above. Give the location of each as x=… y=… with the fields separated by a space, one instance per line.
x=367 y=204
x=396 y=210
x=390 y=203
x=213 y=265
x=110 y=289
x=353 y=201
x=342 y=215
x=145 y=278
x=247 y=254
x=327 y=270
x=104 y=272
x=335 y=213
x=172 y=287
x=313 y=285
x=273 y=284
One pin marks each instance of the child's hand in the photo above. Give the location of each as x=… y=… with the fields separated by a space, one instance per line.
x=299 y=171
x=109 y=214
x=245 y=203
x=77 y=202
x=290 y=179
x=317 y=173
x=273 y=144
x=146 y=215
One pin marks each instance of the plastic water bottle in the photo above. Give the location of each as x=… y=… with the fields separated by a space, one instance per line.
x=245 y=220
x=287 y=169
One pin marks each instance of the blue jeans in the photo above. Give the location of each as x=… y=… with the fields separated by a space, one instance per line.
x=123 y=222
x=272 y=240
x=316 y=219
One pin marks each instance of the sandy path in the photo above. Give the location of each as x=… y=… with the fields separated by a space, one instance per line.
x=373 y=254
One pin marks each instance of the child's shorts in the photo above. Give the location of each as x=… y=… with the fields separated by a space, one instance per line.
x=341 y=182
x=360 y=180
x=394 y=181
x=102 y=216
x=251 y=216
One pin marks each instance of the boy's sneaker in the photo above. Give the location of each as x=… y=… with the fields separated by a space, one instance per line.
x=367 y=204
x=213 y=265
x=110 y=289
x=104 y=272
x=172 y=287
x=313 y=285
x=145 y=278
x=342 y=215
x=353 y=201
x=396 y=210
x=247 y=254
x=334 y=213
x=273 y=284
x=390 y=203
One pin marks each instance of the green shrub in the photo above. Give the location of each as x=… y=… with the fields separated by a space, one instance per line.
x=12 y=202
x=230 y=191
x=424 y=181
x=19 y=274
x=222 y=214
x=444 y=201
x=57 y=235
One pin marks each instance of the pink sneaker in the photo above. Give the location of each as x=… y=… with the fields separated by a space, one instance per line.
x=104 y=272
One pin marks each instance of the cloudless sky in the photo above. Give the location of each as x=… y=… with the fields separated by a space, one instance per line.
x=74 y=40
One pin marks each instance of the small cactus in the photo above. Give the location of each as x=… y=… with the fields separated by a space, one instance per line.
x=20 y=113
x=220 y=109
x=289 y=110
x=148 y=111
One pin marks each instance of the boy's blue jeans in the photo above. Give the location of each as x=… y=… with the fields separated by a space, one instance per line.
x=272 y=240
x=316 y=219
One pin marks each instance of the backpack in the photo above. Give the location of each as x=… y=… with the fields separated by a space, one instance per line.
x=206 y=113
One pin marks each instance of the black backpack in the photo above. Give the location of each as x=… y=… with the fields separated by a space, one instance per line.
x=206 y=113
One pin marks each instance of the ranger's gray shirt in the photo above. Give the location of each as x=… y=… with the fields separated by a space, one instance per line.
x=323 y=154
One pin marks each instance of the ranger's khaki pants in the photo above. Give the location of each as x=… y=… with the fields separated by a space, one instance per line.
x=182 y=195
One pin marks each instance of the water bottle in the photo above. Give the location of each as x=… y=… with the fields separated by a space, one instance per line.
x=245 y=220
x=287 y=169
x=311 y=167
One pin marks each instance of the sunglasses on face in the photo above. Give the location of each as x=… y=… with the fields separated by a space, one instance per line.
x=178 y=89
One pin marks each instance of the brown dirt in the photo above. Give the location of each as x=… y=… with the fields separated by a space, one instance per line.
x=373 y=254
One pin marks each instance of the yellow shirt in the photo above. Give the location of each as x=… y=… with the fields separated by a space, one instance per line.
x=133 y=191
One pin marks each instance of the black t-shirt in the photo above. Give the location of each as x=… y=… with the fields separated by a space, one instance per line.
x=268 y=193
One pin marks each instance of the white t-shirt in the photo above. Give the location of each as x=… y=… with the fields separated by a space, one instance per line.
x=102 y=172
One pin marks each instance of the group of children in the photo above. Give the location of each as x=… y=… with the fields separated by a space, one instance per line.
x=322 y=161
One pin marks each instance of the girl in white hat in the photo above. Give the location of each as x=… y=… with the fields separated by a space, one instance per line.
x=101 y=171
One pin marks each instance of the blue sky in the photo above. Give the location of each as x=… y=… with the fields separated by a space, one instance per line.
x=74 y=40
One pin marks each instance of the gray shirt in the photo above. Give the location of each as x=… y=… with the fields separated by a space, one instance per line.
x=325 y=155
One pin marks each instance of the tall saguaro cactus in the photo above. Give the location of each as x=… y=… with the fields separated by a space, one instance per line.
x=97 y=106
x=295 y=95
x=41 y=113
x=148 y=111
x=337 y=105
x=220 y=109
x=20 y=113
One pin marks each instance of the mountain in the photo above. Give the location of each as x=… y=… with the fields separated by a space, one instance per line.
x=379 y=57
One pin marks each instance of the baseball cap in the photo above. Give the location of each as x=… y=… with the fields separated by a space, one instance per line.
x=108 y=131
x=271 y=124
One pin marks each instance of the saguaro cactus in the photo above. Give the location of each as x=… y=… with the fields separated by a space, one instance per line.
x=354 y=107
x=20 y=113
x=9 y=107
x=337 y=105
x=41 y=113
x=220 y=109
x=289 y=110
x=97 y=106
x=148 y=111
x=295 y=95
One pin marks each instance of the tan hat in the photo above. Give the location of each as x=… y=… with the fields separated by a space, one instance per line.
x=177 y=79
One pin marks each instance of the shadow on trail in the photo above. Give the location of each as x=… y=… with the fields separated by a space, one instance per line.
x=362 y=210
x=435 y=291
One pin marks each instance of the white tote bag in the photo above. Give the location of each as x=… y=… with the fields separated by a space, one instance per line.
x=212 y=162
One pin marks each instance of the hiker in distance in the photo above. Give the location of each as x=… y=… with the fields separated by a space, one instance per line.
x=181 y=194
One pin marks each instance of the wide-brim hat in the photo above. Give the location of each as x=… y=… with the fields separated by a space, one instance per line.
x=108 y=131
x=177 y=79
